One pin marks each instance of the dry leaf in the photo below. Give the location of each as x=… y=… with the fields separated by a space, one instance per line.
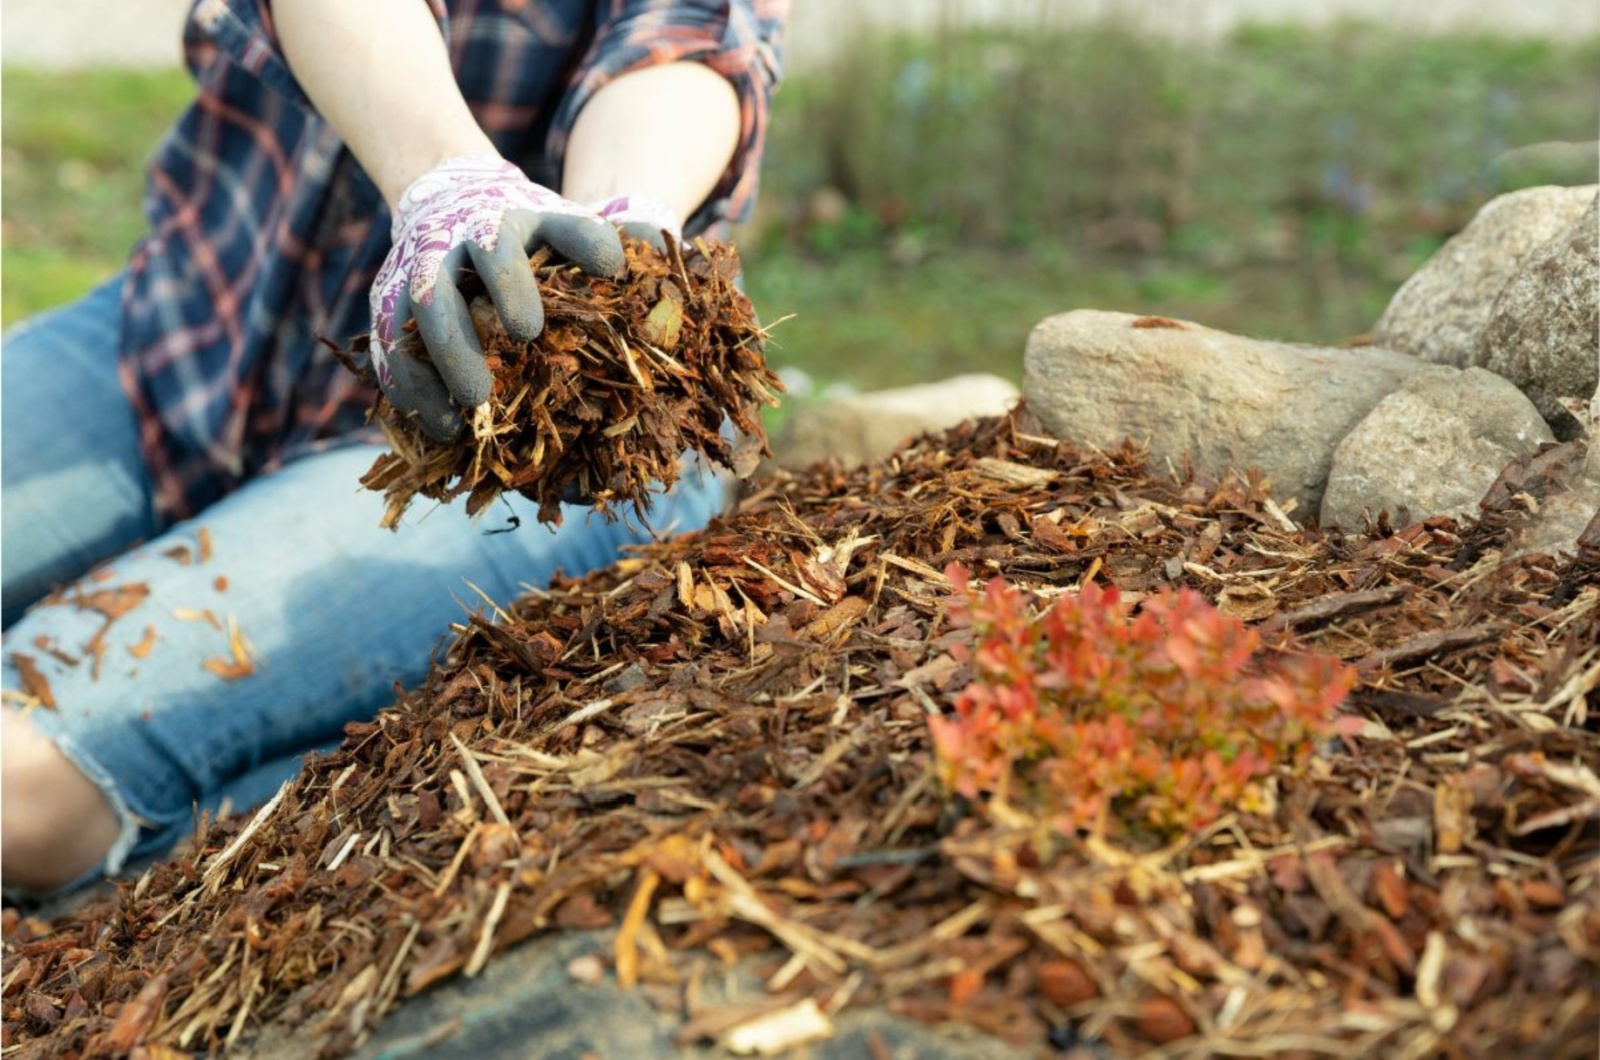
x=34 y=682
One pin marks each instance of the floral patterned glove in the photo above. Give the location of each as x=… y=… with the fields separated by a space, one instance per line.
x=643 y=218
x=479 y=211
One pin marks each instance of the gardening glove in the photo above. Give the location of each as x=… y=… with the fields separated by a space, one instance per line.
x=479 y=211
x=643 y=218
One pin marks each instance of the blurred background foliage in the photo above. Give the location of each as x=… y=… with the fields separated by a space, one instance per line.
x=929 y=197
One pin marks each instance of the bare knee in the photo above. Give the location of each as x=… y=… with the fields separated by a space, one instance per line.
x=55 y=824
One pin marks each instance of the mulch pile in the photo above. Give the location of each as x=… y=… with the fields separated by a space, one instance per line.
x=718 y=747
x=626 y=377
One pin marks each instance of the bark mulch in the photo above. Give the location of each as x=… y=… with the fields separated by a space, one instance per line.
x=627 y=375
x=719 y=748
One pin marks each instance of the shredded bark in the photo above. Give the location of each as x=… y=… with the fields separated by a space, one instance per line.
x=627 y=376
x=719 y=746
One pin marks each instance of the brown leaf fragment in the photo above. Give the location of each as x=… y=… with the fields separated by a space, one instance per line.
x=936 y=672
x=1162 y=1020
x=34 y=682
x=664 y=323
x=627 y=944
x=1389 y=887
x=1065 y=983
x=181 y=553
x=1452 y=816
x=1336 y=605
x=50 y=648
x=203 y=540
x=190 y=614
x=438 y=961
x=135 y=1019
x=1158 y=322
x=837 y=619
x=96 y=650
x=146 y=643
x=1545 y=894
x=41 y=1008
x=1049 y=533
x=1247 y=602
x=240 y=664
x=685 y=580
x=1428 y=645
x=114 y=603
x=582 y=913
x=1014 y=474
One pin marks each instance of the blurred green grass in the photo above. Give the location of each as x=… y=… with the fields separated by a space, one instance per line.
x=932 y=197
x=72 y=149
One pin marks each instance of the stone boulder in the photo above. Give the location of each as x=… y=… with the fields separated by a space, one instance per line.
x=1219 y=400
x=855 y=428
x=1433 y=447
x=1547 y=502
x=1560 y=521
x=1543 y=331
x=1439 y=314
x=1592 y=464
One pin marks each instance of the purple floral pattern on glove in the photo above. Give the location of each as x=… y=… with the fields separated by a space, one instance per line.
x=461 y=200
x=641 y=212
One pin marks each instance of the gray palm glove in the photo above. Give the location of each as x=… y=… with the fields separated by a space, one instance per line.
x=479 y=211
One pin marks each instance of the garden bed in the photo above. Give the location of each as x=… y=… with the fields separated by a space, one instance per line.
x=720 y=747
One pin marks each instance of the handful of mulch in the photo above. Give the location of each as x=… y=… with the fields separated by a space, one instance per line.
x=627 y=376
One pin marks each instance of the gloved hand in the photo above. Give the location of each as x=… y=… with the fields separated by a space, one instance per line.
x=479 y=211
x=643 y=218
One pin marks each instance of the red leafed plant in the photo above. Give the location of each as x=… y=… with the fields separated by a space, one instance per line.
x=1091 y=715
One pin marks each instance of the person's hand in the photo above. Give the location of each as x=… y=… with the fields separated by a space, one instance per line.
x=479 y=211
x=643 y=218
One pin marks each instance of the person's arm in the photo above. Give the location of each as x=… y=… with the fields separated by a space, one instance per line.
x=665 y=132
x=378 y=71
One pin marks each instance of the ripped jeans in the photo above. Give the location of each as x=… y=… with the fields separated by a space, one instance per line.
x=195 y=664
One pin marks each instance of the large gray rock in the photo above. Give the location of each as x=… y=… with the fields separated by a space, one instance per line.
x=1433 y=447
x=1543 y=333
x=1545 y=502
x=526 y=1006
x=1439 y=313
x=1592 y=463
x=1220 y=400
x=856 y=428
x=1560 y=521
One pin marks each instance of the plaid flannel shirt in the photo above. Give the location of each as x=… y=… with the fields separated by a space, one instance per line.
x=265 y=234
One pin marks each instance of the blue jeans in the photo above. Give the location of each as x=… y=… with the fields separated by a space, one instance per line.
x=227 y=670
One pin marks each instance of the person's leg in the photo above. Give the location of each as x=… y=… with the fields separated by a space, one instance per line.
x=304 y=616
x=73 y=487
x=42 y=790
x=73 y=491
